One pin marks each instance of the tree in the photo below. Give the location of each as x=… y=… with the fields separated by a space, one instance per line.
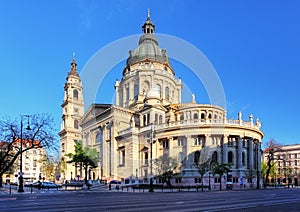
x=271 y=148
x=86 y=157
x=202 y=169
x=272 y=173
x=166 y=167
x=40 y=135
x=220 y=169
x=49 y=167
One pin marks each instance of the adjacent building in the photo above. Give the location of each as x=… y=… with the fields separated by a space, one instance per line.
x=287 y=165
x=148 y=120
x=33 y=161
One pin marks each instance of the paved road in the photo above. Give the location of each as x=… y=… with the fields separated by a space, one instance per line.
x=95 y=200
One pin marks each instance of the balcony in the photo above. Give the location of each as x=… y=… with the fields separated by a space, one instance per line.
x=194 y=122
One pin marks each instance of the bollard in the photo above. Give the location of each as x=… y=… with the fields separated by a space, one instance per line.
x=9 y=189
x=30 y=188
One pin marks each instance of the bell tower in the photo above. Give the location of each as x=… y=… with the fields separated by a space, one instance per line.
x=72 y=112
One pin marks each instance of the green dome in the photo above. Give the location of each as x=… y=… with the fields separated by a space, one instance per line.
x=148 y=46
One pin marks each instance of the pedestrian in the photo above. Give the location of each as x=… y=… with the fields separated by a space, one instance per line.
x=40 y=185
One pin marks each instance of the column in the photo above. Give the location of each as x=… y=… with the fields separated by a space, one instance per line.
x=171 y=144
x=239 y=159
x=131 y=90
x=124 y=96
x=188 y=157
x=225 y=148
x=259 y=155
x=251 y=162
x=208 y=141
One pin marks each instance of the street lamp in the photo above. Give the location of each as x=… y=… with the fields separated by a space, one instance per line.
x=21 y=181
x=209 y=173
x=257 y=164
x=151 y=173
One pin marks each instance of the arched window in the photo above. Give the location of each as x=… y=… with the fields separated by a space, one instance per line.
x=181 y=117
x=156 y=118
x=230 y=157
x=167 y=93
x=148 y=118
x=76 y=124
x=75 y=94
x=195 y=115
x=196 y=157
x=136 y=91
x=144 y=120
x=127 y=93
x=158 y=87
x=214 y=158
x=202 y=116
x=160 y=119
x=243 y=158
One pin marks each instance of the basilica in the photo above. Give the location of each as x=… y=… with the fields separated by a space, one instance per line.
x=149 y=120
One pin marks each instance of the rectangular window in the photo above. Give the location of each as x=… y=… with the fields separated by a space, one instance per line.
x=165 y=144
x=296 y=164
x=181 y=141
x=122 y=156
x=217 y=180
x=198 y=180
x=177 y=180
x=295 y=155
x=196 y=141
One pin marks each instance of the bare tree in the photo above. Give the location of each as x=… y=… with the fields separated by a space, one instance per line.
x=272 y=147
x=40 y=135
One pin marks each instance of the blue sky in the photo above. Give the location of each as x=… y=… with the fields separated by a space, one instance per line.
x=253 y=45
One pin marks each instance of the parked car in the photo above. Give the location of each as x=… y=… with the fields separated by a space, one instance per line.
x=114 y=184
x=44 y=184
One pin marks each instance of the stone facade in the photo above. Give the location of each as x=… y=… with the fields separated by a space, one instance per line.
x=72 y=112
x=33 y=161
x=287 y=165
x=149 y=120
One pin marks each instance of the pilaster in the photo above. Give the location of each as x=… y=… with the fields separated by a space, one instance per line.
x=251 y=161
x=239 y=155
x=225 y=148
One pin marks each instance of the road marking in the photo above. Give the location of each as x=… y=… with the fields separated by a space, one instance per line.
x=7 y=199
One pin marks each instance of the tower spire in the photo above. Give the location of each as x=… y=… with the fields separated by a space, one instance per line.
x=148 y=27
x=148 y=18
x=73 y=64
